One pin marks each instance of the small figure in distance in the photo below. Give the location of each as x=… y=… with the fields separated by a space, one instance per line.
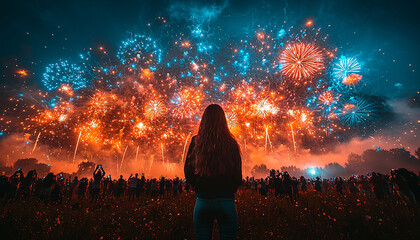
x=263 y=188
x=302 y=184
x=15 y=179
x=83 y=184
x=339 y=185
x=120 y=187
x=318 y=183
x=26 y=184
x=133 y=182
x=98 y=174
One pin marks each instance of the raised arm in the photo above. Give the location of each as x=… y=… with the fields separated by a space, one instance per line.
x=96 y=169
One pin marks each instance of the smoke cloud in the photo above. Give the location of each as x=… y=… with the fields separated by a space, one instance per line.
x=195 y=12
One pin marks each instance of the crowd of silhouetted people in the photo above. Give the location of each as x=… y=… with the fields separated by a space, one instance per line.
x=55 y=188
x=399 y=183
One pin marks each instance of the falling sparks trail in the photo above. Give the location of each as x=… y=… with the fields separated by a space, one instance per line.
x=122 y=160
x=137 y=153
x=163 y=156
x=39 y=134
x=151 y=163
x=267 y=139
x=293 y=137
x=77 y=144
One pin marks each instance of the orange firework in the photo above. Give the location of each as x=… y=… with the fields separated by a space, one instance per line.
x=185 y=44
x=327 y=97
x=231 y=118
x=91 y=132
x=352 y=79
x=301 y=117
x=22 y=73
x=146 y=73
x=349 y=107
x=301 y=60
x=140 y=129
x=264 y=108
x=66 y=89
x=188 y=102
x=154 y=109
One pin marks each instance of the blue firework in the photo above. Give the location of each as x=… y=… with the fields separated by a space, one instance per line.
x=357 y=112
x=140 y=52
x=63 y=72
x=241 y=62
x=345 y=67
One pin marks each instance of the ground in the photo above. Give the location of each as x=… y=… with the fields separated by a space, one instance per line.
x=313 y=216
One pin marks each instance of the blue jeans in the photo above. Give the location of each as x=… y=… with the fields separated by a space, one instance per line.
x=222 y=209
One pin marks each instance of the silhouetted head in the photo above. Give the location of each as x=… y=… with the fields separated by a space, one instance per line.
x=215 y=147
x=213 y=122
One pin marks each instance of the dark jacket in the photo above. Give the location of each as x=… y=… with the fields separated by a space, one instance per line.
x=217 y=186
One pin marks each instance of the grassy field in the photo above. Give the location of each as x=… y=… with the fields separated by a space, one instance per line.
x=313 y=216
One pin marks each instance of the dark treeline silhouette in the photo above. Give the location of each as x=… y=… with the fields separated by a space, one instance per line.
x=377 y=160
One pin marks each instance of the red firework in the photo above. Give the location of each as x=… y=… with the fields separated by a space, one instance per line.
x=301 y=60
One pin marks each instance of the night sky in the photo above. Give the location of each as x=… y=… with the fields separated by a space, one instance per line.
x=35 y=33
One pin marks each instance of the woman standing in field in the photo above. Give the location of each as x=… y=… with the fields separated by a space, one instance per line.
x=213 y=167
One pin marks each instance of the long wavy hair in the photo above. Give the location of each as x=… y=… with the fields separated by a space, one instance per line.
x=215 y=149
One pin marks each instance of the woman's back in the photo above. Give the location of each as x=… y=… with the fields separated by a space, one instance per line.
x=213 y=167
x=218 y=184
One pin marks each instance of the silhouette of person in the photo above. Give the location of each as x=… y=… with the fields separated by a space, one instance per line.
x=82 y=188
x=339 y=185
x=15 y=179
x=213 y=167
x=134 y=181
x=263 y=188
x=318 y=183
x=98 y=174
x=26 y=183
x=302 y=184
x=120 y=187
x=287 y=185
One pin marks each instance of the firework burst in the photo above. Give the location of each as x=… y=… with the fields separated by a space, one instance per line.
x=64 y=72
x=346 y=67
x=154 y=109
x=265 y=108
x=327 y=98
x=301 y=61
x=357 y=112
x=187 y=103
x=150 y=94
